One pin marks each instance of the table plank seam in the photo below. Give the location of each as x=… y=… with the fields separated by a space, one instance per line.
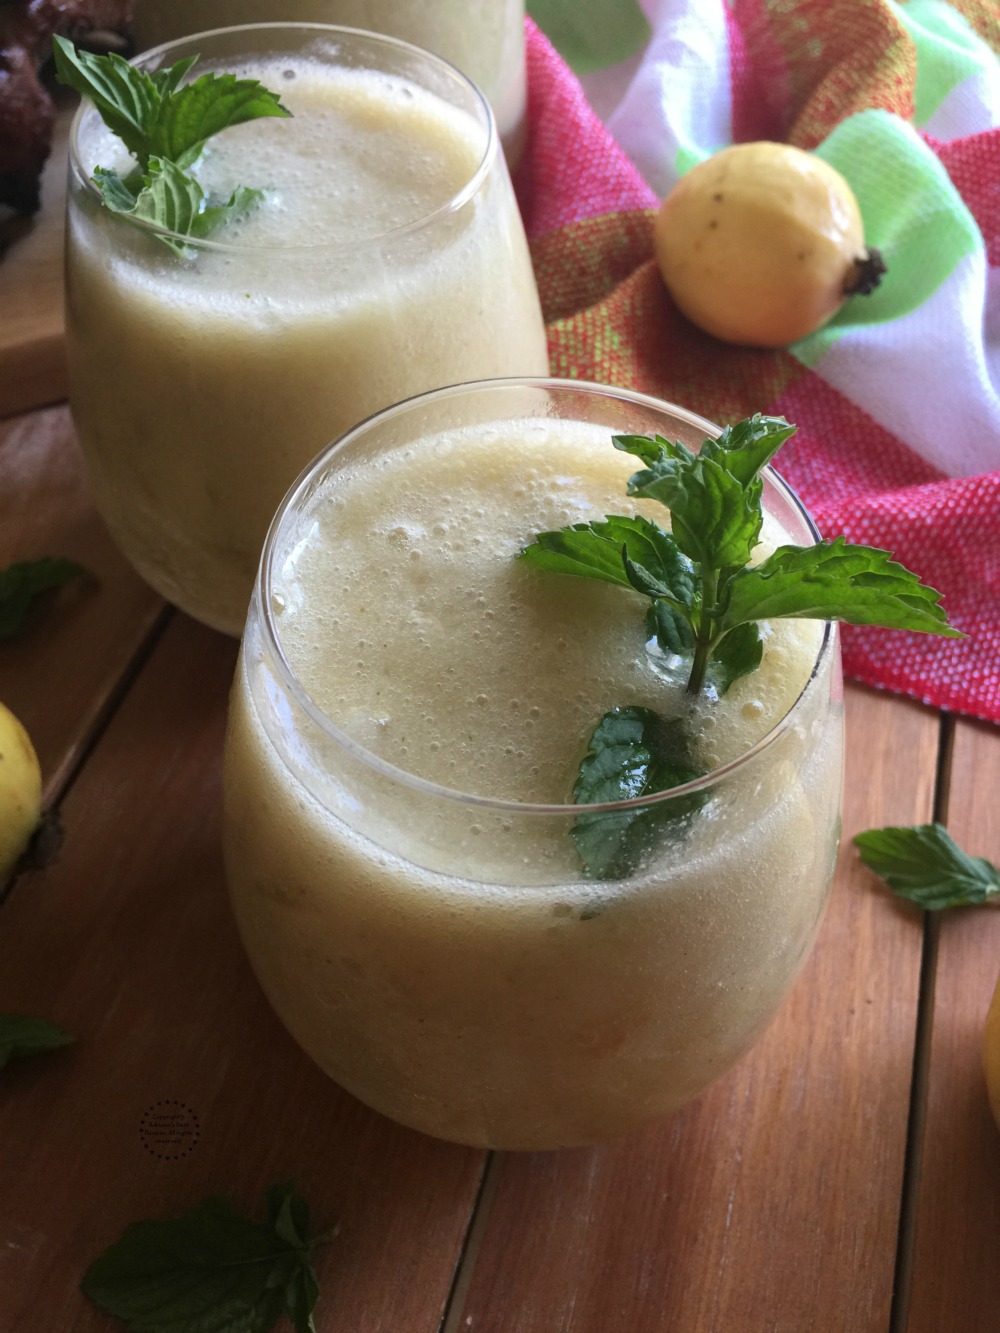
x=899 y=1311
x=62 y=782
x=465 y=1262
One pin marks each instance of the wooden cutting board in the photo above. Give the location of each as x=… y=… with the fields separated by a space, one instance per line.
x=32 y=351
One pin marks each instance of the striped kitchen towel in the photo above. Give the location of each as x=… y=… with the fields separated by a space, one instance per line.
x=897 y=400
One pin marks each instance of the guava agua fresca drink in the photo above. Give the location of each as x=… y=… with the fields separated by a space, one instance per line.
x=387 y=257
x=484 y=38
x=440 y=955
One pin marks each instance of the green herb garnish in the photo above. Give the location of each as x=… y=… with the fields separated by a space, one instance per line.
x=212 y=1269
x=633 y=752
x=22 y=1035
x=704 y=592
x=926 y=866
x=21 y=585
x=706 y=599
x=165 y=123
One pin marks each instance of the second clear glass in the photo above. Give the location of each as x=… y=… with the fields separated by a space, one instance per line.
x=484 y=38
x=388 y=258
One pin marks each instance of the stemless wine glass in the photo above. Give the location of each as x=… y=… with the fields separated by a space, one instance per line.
x=484 y=38
x=409 y=711
x=387 y=257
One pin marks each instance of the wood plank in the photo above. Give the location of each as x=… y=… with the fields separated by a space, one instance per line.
x=956 y=1275
x=771 y=1204
x=32 y=342
x=59 y=674
x=128 y=942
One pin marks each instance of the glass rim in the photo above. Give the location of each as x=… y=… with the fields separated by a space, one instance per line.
x=262 y=591
x=450 y=206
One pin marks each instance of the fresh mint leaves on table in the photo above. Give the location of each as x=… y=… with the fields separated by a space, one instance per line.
x=21 y=584
x=211 y=1270
x=705 y=599
x=165 y=123
x=925 y=865
x=22 y=1035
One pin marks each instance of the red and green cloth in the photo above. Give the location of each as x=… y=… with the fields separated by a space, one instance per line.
x=897 y=401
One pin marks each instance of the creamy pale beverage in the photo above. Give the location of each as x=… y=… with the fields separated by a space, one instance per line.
x=484 y=38
x=387 y=257
x=409 y=714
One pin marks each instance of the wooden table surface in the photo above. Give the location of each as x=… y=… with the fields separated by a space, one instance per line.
x=844 y=1178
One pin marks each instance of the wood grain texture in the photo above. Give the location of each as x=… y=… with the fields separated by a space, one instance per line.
x=128 y=943
x=956 y=1282
x=32 y=325
x=771 y=1204
x=60 y=672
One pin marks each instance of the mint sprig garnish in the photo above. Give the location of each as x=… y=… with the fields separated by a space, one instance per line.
x=22 y=1035
x=632 y=753
x=697 y=575
x=157 y=115
x=170 y=198
x=164 y=123
x=22 y=583
x=925 y=865
x=706 y=601
x=212 y=1269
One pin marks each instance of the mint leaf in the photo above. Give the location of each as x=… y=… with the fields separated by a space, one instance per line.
x=738 y=653
x=581 y=550
x=926 y=866
x=210 y=1271
x=655 y=565
x=212 y=216
x=197 y=111
x=834 y=581
x=170 y=79
x=633 y=752
x=660 y=455
x=171 y=199
x=714 y=519
x=157 y=115
x=748 y=446
x=22 y=1035
x=629 y=551
x=301 y=1295
x=664 y=459
x=671 y=629
x=118 y=195
x=288 y=1214
x=167 y=197
x=21 y=585
x=127 y=98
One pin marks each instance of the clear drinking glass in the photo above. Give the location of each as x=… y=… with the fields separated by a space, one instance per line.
x=408 y=714
x=387 y=258
x=484 y=38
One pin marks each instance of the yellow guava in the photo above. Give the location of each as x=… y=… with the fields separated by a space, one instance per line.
x=762 y=243
x=991 y=1054
x=20 y=791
